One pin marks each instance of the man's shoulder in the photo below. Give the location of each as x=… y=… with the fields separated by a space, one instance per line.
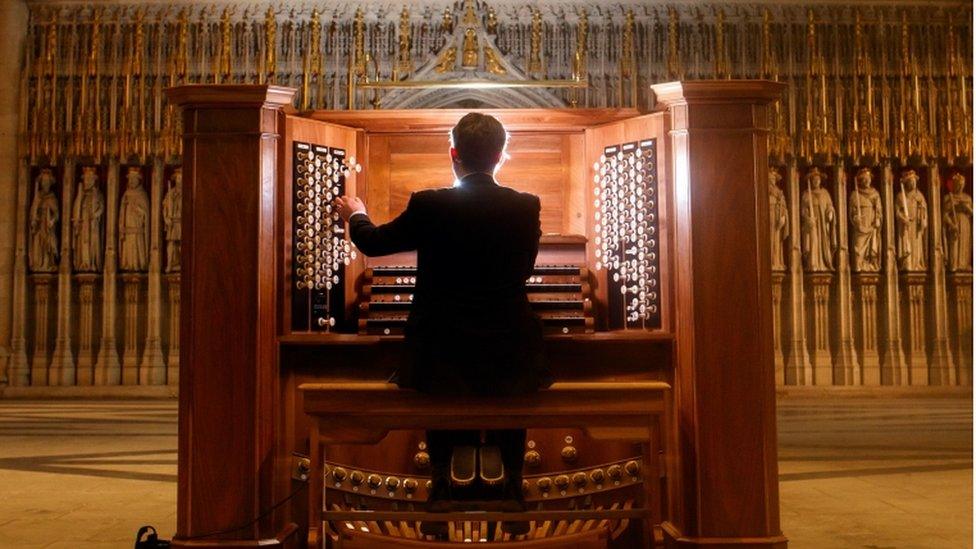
x=425 y=196
x=526 y=198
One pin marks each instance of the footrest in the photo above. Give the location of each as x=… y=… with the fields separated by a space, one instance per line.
x=491 y=516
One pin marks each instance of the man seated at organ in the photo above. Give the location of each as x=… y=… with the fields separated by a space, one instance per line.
x=475 y=334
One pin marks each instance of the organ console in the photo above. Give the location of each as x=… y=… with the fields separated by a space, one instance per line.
x=653 y=269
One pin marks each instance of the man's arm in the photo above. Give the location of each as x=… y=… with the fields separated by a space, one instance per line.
x=398 y=235
x=533 y=240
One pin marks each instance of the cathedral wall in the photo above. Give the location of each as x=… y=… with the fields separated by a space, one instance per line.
x=864 y=294
x=13 y=27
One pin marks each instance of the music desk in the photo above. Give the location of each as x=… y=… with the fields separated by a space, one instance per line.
x=363 y=413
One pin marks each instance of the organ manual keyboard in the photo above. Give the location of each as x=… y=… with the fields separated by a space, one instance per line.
x=559 y=293
x=653 y=269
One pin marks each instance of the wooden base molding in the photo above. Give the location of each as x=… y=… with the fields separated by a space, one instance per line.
x=674 y=539
x=286 y=539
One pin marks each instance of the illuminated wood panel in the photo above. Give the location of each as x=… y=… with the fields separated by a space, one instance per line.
x=544 y=164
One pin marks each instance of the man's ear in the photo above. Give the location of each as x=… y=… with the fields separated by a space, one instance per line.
x=454 y=155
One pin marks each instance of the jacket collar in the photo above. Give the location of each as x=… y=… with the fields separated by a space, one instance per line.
x=476 y=178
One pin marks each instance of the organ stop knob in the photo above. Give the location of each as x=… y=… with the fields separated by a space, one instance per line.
x=356 y=478
x=579 y=479
x=632 y=468
x=597 y=476
x=374 y=481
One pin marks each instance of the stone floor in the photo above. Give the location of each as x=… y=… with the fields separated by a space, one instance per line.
x=868 y=473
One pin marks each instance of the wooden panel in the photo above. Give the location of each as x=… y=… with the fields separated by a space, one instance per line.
x=318 y=133
x=726 y=488
x=229 y=376
x=442 y=120
x=651 y=126
x=539 y=162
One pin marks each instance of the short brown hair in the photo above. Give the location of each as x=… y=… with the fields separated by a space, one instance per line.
x=479 y=139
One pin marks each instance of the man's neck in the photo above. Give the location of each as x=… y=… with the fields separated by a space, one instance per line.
x=472 y=175
x=463 y=174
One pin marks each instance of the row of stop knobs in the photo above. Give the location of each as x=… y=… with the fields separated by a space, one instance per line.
x=613 y=474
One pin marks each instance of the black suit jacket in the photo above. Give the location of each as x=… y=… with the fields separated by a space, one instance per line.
x=471 y=329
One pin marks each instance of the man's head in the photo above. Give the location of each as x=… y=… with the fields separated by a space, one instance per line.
x=477 y=144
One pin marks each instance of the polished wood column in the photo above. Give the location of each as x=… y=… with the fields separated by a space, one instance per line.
x=725 y=492
x=228 y=356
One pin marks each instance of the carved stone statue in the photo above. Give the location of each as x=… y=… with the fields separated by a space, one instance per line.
x=134 y=224
x=172 y=212
x=911 y=216
x=493 y=63
x=86 y=223
x=957 y=217
x=818 y=223
x=469 y=59
x=866 y=216
x=44 y=214
x=779 y=220
x=447 y=60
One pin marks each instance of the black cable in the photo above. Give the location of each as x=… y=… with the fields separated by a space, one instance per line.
x=259 y=517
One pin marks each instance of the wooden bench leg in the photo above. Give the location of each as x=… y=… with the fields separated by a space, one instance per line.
x=652 y=483
x=316 y=489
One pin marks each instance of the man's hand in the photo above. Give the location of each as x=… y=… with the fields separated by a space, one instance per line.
x=348 y=205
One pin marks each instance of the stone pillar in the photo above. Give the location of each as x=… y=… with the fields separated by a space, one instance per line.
x=778 y=278
x=86 y=328
x=798 y=369
x=941 y=370
x=42 y=283
x=19 y=372
x=866 y=317
x=63 y=362
x=173 y=352
x=108 y=370
x=714 y=364
x=847 y=370
x=818 y=290
x=894 y=369
x=914 y=295
x=131 y=287
x=961 y=288
x=13 y=282
x=153 y=369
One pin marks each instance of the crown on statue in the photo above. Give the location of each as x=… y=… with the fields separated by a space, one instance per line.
x=815 y=172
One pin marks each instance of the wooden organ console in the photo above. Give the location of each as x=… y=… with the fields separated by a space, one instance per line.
x=653 y=273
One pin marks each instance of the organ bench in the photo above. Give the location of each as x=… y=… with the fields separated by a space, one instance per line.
x=653 y=273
